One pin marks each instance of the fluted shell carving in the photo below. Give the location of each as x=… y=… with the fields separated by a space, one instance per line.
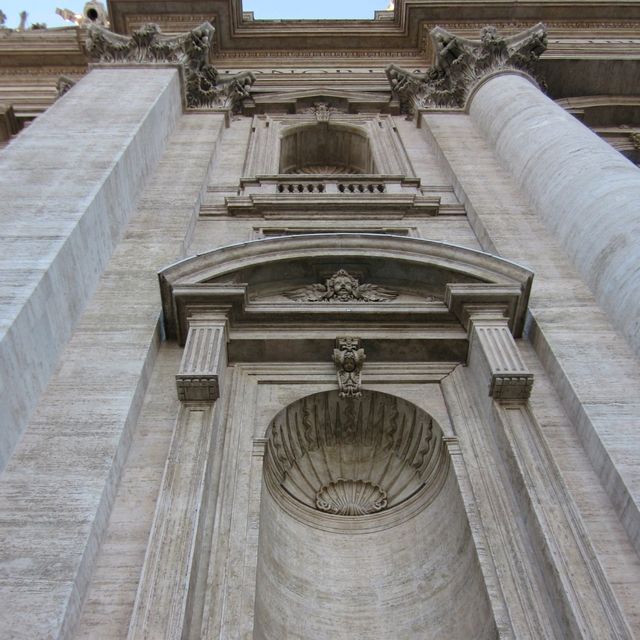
x=324 y=169
x=352 y=456
x=351 y=498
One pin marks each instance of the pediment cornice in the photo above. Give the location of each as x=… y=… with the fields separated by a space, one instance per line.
x=255 y=280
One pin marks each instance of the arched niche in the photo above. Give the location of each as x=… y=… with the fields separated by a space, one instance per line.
x=325 y=148
x=363 y=531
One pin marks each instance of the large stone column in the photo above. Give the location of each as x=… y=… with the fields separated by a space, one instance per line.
x=586 y=192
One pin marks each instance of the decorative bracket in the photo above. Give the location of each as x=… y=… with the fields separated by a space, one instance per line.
x=203 y=89
x=202 y=360
x=322 y=111
x=492 y=346
x=461 y=63
x=349 y=357
x=492 y=315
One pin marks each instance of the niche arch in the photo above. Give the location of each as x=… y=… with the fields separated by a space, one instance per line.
x=325 y=148
x=389 y=552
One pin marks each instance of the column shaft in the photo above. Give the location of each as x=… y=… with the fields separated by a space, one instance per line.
x=585 y=192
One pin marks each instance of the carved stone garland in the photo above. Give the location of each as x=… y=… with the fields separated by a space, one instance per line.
x=461 y=63
x=203 y=88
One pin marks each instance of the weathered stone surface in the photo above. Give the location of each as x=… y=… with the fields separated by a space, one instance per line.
x=584 y=360
x=202 y=85
x=69 y=185
x=443 y=494
x=75 y=446
x=584 y=191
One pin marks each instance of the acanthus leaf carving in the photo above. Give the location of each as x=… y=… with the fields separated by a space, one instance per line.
x=322 y=111
x=460 y=63
x=203 y=87
x=349 y=358
x=341 y=287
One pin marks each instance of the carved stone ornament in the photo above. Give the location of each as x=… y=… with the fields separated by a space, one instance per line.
x=63 y=85
x=322 y=111
x=191 y=50
x=351 y=498
x=341 y=287
x=460 y=63
x=352 y=457
x=349 y=357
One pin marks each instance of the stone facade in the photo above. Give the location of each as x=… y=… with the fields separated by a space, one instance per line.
x=321 y=330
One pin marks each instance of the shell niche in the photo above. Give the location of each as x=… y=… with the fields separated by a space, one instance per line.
x=352 y=456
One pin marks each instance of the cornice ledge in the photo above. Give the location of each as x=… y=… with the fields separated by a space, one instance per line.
x=202 y=87
x=461 y=64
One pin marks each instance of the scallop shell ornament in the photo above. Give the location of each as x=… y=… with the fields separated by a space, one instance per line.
x=351 y=498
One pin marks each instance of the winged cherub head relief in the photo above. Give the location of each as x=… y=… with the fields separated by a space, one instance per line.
x=341 y=287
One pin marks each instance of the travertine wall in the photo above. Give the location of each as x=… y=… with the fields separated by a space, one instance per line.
x=589 y=365
x=69 y=185
x=585 y=192
x=78 y=496
x=70 y=458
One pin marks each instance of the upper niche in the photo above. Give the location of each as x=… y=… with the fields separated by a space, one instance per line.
x=323 y=148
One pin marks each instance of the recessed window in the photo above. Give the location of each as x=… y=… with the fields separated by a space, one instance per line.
x=326 y=149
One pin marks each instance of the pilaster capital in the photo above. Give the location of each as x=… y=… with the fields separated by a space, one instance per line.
x=480 y=300
x=491 y=315
x=190 y=51
x=461 y=63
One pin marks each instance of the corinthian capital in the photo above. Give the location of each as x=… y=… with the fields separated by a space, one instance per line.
x=461 y=63
x=146 y=45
